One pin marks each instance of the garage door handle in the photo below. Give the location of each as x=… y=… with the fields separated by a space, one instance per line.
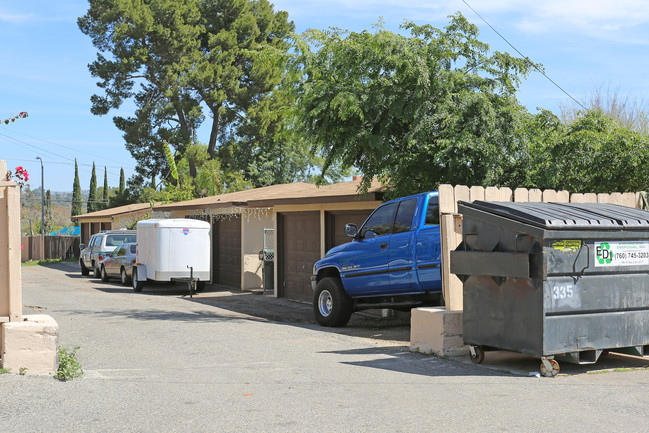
x=384 y=245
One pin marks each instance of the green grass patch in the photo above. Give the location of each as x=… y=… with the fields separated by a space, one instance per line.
x=48 y=261
x=619 y=370
x=5 y=370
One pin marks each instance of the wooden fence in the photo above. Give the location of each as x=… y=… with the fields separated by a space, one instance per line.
x=49 y=247
x=451 y=221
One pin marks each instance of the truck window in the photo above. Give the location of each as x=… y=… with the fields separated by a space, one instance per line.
x=432 y=211
x=380 y=222
x=403 y=221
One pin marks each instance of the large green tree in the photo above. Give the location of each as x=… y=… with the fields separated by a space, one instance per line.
x=433 y=107
x=182 y=62
x=77 y=204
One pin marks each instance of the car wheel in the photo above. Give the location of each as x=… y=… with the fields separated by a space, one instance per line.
x=123 y=277
x=84 y=271
x=331 y=305
x=104 y=275
x=96 y=272
x=137 y=285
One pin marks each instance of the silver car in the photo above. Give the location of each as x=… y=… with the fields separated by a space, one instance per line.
x=119 y=263
x=100 y=246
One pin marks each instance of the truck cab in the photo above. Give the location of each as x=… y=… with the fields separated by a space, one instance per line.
x=392 y=261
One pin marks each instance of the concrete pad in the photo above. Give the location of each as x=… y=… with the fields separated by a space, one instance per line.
x=526 y=365
x=435 y=330
x=31 y=344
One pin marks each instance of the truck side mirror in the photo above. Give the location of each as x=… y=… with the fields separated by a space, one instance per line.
x=351 y=230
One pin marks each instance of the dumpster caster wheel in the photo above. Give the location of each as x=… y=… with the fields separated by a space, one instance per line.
x=549 y=367
x=477 y=354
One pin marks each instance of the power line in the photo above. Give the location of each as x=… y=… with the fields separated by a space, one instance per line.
x=67 y=147
x=524 y=56
x=69 y=164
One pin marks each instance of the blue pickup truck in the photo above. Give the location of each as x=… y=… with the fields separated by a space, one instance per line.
x=393 y=261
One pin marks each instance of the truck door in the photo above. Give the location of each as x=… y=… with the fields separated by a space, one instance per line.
x=400 y=252
x=428 y=249
x=367 y=271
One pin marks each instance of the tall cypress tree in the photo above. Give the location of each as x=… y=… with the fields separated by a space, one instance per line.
x=49 y=216
x=122 y=182
x=104 y=202
x=77 y=205
x=92 y=195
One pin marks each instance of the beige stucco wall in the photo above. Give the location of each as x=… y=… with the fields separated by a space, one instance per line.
x=253 y=223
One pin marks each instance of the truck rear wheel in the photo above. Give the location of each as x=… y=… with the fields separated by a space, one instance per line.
x=331 y=305
x=137 y=285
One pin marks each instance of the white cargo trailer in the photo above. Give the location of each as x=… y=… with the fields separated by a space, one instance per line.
x=168 y=248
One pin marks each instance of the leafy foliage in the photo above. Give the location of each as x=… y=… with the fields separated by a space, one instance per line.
x=69 y=367
x=20 y=115
x=186 y=57
x=435 y=107
x=592 y=154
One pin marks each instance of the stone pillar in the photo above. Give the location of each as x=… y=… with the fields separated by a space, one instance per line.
x=10 y=280
x=27 y=344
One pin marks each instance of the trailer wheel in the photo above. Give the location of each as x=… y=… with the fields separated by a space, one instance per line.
x=84 y=271
x=137 y=285
x=476 y=353
x=331 y=304
x=104 y=275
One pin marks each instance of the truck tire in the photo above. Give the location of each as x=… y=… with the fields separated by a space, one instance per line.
x=331 y=305
x=137 y=285
x=84 y=271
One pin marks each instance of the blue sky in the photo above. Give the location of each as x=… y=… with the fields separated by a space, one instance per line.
x=44 y=57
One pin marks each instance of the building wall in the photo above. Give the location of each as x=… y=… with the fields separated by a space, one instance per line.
x=252 y=241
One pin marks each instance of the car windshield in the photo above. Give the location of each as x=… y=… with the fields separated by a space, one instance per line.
x=115 y=240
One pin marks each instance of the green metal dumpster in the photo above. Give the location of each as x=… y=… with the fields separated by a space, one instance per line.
x=554 y=280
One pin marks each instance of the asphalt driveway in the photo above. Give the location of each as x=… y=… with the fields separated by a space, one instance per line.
x=230 y=361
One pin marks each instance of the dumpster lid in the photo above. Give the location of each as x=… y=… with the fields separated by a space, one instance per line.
x=567 y=215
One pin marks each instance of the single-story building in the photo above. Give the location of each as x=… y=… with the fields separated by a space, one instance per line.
x=115 y=218
x=298 y=222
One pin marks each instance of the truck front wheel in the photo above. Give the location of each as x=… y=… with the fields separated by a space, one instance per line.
x=331 y=305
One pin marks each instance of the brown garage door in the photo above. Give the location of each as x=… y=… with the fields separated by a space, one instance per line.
x=227 y=252
x=336 y=220
x=298 y=250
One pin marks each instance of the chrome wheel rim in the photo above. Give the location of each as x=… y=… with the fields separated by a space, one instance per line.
x=325 y=303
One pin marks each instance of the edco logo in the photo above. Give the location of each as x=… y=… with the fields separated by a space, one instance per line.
x=604 y=253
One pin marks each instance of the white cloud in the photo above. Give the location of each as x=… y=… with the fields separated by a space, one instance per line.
x=15 y=18
x=598 y=18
